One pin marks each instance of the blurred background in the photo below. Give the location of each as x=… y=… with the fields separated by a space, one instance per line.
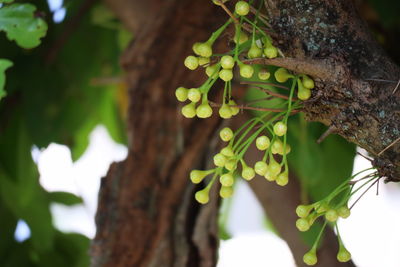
x=63 y=122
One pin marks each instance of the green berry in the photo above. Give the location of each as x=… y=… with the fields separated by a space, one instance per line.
x=310 y=258
x=202 y=196
x=308 y=82
x=227 y=151
x=282 y=75
x=204 y=111
x=191 y=62
x=248 y=173
x=280 y=128
x=269 y=175
x=264 y=74
x=344 y=212
x=331 y=215
x=277 y=147
x=304 y=94
x=219 y=160
x=203 y=60
x=261 y=168
x=212 y=71
x=227 y=179
x=274 y=167
x=343 y=254
x=225 y=111
x=181 y=94
x=302 y=224
x=282 y=179
x=231 y=165
x=226 y=134
x=271 y=52
x=254 y=51
x=226 y=75
x=303 y=210
x=246 y=71
x=242 y=8
x=196 y=176
x=234 y=110
x=189 y=110
x=241 y=37
x=262 y=142
x=194 y=95
x=204 y=50
x=226 y=191
x=227 y=62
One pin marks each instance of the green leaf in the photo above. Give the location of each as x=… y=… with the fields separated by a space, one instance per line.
x=4 y=65
x=65 y=198
x=20 y=24
x=6 y=1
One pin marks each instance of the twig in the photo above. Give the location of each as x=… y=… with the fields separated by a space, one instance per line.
x=213 y=104
x=397 y=86
x=363 y=178
x=228 y=11
x=369 y=187
x=381 y=80
x=275 y=94
x=365 y=157
x=392 y=144
x=265 y=83
x=328 y=132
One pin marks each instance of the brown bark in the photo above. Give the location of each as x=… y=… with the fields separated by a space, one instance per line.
x=147 y=215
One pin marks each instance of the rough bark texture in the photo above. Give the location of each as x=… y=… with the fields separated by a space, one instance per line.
x=328 y=40
x=147 y=215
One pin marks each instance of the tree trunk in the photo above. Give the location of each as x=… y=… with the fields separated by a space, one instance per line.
x=147 y=215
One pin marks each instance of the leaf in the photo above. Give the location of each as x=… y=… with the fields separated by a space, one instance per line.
x=4 y=65
x=20 y=24
x=65 y=198
x=6 y=1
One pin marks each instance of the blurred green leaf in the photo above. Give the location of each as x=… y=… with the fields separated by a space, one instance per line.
x=20 y=24
x=65 y=198
x=4 y=65
x=6 y=1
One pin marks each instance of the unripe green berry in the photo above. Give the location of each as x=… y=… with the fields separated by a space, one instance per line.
x=203 y=60
x=212 y=71
x=269 y=176
x=227 y=62
x=254 y=51
x=226 y=75
x=191 y=62
x=282 y=179
x=194 y=95
x=181 y=94
x=248 y=173
x=331 y=215
x=204 y=111
x=277 y=147
x=280 y=128
x=343 y=212
x=204 y=50
x=189 y=110
x=271 y=52
x=310 y=258
x=241 y=37
x=246 y=71
x=304 y=94
x=262 y=142
x=234 y=110
x=261 y=168
x=302 y=224
x=225 y=111
x=231 y=165
x=202 y=196
x=226 y=179
x=226 y=191
x=282 y=75
x=242 y=8
x=219 y=160
x=226 y=134
x=274 y=167
x=196 y=176
x=308 y=82
x=264 y=74
x=343 y=254
x=227 y=151
x=303 y=210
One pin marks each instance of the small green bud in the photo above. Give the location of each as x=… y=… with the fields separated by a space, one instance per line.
x=242 y=8
x=248 y=173
x=181 y=94
x=344 y=212
x=302 y=224
x=264 y=74
x=254 y=51
x=226 y=134
x=331 y=215
x=226 y=75
x=227 y=62
x=227 y=151
x=196 y=176
x=202 y=196
x=303 y=210
x=262 y=142
x=225 y=111
x=204 y=111
x=282 y=75
x=219 y=160
x=261 y=168
x=231 y=165
x=310 y=258
x=271 y=51
x=280 y=128
x=234 y=110
x=191 y=62
x=194 y=95
x=189 y=110
x=343 y=254
x=246 y=71
x=212 y=71
x=282 y=179
x=227 y=179
x=226 y=191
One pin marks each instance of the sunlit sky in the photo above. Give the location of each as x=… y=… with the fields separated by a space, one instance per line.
x=371 y=233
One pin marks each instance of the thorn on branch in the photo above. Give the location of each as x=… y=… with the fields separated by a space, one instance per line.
x=328 y=132
x=389 y=146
